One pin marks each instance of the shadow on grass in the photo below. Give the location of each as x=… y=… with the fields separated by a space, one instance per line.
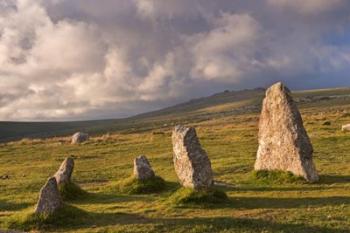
x=250 y=188
x=230 y=187
x=108 y=198
x=334 y=179
x=322 y=184
x=199 y=225
x=8 y=206
x=73 y=218
x=270 y=203
x=227 y=224
x=118 y=218
x=235 y=203
x=111 y=196
x=172 y=186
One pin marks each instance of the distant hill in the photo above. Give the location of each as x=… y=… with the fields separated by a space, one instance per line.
x=218 y=105
x=209 y=101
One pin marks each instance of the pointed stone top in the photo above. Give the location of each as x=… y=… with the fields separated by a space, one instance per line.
x=278 y=84
x=68 y=160
x=142 y=158
x=142 y=168
x=49 y=198
x=182 y=129
x=64 y=173
x=185 y=131
x=277 y=88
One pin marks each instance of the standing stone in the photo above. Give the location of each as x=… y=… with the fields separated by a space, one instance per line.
x=142 y=168
x=79 y=137
x=283 y=142
x=191 y=162
x=49 y=198
x=64 y=173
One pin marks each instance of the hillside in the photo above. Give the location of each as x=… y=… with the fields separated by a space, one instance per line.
x=226 y=125
x=218 y=105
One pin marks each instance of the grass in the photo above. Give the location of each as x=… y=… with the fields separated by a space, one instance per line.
x=230 y=139
x=276 y=177
x=71 y=191
x=135 y=186
x=28 y=220
x=185 y=196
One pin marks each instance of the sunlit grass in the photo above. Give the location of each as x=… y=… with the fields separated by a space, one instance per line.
x=132 y=185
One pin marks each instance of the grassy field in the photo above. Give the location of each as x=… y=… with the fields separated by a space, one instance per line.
x=228 y=132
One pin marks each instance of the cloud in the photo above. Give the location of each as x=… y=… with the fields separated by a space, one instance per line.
x=226 y=51
x=168 y=9
x=62 y=59
x=310 y=6
x=145 y=8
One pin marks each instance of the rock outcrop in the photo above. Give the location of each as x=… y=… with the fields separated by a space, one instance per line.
x=79 y=137
x=64 y=173
x=142 y=168
x=191 y=162
x=49 y=198
x=283 y=142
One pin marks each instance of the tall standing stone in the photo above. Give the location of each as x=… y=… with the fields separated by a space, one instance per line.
x=49 y=198
x=142 y=168
x=64 y=173
x=283 y=142
x=191 y=162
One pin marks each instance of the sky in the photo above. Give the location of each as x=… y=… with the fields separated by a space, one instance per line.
x=88 y=59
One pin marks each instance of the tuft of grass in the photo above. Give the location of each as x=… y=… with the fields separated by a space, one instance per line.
x=184 y=196
x=71 y=191
x=276 y=177
x=64 y=217
x=135 y=186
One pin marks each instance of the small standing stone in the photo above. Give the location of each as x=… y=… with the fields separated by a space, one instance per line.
x=283 y=142
x=142 y=168
x=79 y=137
x=64 y=173
x=191 y=162
x=49 y=198
x=5 y=177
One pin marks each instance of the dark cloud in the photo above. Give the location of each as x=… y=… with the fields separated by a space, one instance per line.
x=86 y=59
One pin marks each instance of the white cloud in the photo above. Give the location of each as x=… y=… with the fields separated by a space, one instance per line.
x=37 y=56
x=228 y=49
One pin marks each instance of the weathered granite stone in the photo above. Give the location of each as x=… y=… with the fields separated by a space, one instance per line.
x=79 y=137
x=49 y=198
x=191 y=162
x=64 y=173
x=345 y=127
x=283 y=142
x=142 y=168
